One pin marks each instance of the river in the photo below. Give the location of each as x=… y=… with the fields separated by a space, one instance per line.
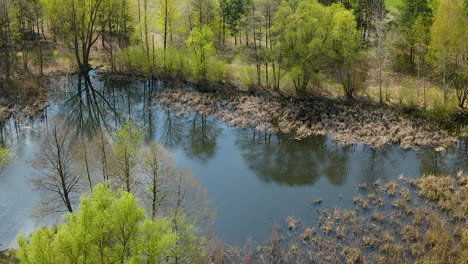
x=255 y=179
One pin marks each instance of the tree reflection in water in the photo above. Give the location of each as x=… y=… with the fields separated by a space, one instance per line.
x=279 y=159
x=87 y=108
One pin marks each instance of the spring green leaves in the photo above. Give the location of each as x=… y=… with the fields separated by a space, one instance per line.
x=5 y=156
x=108 y=227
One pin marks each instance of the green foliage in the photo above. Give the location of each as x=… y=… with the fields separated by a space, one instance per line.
x=5 y=156
x=449 y=38
x=393 y=3
x=233 y=11
x=409 y=93
x=80 y=23
x=441 y=109
x=311 y=35
x=171 y=63
x=345 y=48
x=200 y=43
x=128 y=140
x=133 y=59
x=415 y=19
x=109 y=227
x=129 y=137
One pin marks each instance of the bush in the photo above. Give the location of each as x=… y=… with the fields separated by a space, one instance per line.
x=133 y=60
x=216 y=70
x=409 y=93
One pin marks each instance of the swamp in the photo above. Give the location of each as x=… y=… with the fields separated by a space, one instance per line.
x=233 y=131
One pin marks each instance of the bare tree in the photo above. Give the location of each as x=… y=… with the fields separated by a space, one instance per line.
x=82 y=155
x=159 y=166
x=188 y=202
x=379 y=23
x=101 y=152
x=57 y=175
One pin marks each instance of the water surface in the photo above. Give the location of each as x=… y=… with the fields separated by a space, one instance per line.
x=256 y=179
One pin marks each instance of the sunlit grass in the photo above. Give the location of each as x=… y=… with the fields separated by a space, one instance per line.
x=393 y=3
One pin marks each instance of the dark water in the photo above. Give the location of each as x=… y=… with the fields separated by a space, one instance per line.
x=256 y=179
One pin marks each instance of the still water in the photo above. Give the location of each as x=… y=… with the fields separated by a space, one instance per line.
x=255 y=179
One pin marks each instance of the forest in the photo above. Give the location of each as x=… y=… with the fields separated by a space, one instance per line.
x=378 y=73
x=410 y=53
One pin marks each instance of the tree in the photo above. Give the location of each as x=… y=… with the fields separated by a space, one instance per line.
x=82 y=155
x=200 y=42
x=5 y=156
x=410 y=12
x=57 y=177
x=6 y=41
x=115 y=27
x=303 y=36
x=448 y=49
x=380 y=28
x=233 y=12
x=108 y=227
x=202 y=12
x=101 y=152
x=188 y=203
x=79 y=23
x=159 y=171
x=346 y=50
x=167 y=16
x=126 y=150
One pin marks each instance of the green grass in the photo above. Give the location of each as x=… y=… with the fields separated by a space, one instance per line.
x=393 y=3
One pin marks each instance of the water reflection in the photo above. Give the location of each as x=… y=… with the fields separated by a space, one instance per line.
x=448 y=161
x=97 y=102
x=87 y=108
x=277 y=158
x=201 y=137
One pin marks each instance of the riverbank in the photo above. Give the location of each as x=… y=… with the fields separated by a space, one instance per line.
x=347 y=122
x=24 y=98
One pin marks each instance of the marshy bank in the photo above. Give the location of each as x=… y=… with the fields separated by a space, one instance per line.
x=347 y=122
x=406 y=221
x=24 y=98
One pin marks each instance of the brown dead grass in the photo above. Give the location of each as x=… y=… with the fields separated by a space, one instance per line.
x=346 y=123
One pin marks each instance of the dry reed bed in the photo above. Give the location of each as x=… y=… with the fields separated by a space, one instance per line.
x=409 y=221
x=345 y=123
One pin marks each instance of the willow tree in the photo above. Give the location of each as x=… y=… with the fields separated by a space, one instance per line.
x=79 y=23
x=303 y=37
x=449 y=46
x=346 y=53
